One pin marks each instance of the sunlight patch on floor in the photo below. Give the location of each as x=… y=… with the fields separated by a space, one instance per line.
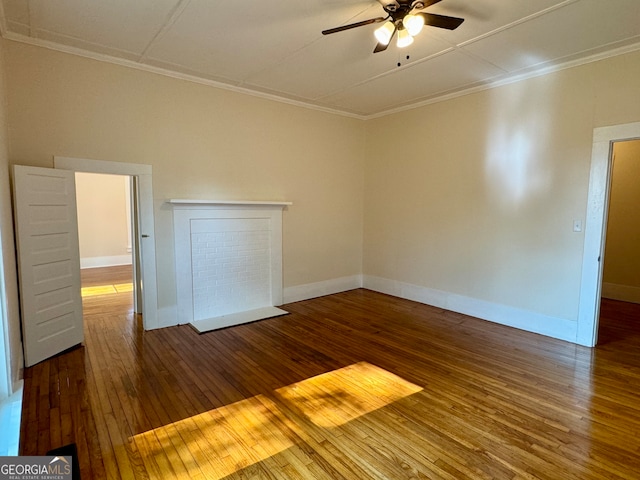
x=335 y=398
x=227 y=439
x=106 y=289
x=231 y=438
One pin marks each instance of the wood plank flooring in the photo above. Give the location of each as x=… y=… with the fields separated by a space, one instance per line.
x=96 y=277
x=107 y=290
x=357 y=385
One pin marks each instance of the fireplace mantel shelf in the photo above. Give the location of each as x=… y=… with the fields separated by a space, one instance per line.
x=180 y=201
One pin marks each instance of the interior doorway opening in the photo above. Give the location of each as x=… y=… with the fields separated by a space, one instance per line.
x=621 y=260
x=619 y=313
x=106 y=210
x=600 y=177
x=143 y=216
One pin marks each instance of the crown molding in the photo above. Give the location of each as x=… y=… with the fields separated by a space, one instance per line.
x=511 y=78
x=506 y=79
x=16 y=37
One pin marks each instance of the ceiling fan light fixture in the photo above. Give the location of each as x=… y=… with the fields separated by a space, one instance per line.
x=404 y=18
x=404 y=39
x=413 y=24
x=385 y=32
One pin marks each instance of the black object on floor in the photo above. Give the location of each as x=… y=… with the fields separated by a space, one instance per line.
x=69 y=451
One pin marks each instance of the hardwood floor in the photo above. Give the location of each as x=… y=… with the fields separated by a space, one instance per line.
x=107 y=290
x=357 y=385
x=95 y=277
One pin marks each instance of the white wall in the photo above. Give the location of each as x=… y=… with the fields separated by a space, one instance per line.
x=621 y=276
x=104 y=236
x=203 y=143
x=9 y=281
x=471 y=205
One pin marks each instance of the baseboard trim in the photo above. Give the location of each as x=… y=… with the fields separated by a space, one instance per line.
x=109 y=261
x=526 y=320
x=624 y=293
x=559 y=328
x=320 y=289
x=167 y=317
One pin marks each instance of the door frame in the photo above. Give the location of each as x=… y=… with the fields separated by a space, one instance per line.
x=147 y=253
x=5 y=361
x=595 y=226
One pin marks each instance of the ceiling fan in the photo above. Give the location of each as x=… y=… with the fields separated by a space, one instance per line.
x=405 y=19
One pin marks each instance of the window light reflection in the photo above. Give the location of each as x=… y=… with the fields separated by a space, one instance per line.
x=106 y=289
x=335 y=398
x=223 y=441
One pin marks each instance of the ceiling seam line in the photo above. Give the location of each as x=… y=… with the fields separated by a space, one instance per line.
x=248 y=77
x=172 y=18
x=515 y=23
x=388 y=72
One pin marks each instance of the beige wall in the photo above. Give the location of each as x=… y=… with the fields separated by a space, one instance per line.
x=102 y=219
x=9 y=273
x=476 y=196
x=622 y=253
x=203 y=143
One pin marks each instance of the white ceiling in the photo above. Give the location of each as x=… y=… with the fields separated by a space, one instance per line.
x=276 y=47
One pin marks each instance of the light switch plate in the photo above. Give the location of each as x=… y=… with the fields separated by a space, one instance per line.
x=577 y=225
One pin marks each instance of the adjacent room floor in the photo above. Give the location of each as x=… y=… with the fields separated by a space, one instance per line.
x=356 y=385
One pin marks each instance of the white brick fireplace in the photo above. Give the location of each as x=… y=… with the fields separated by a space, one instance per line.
x=228 y=261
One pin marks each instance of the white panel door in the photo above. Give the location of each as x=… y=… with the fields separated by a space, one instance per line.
x=48 y=261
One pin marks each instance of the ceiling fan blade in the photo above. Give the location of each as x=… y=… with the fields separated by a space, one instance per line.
x=353 y=25
x=381 y=47
x=441 y=21
x=428 y=3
